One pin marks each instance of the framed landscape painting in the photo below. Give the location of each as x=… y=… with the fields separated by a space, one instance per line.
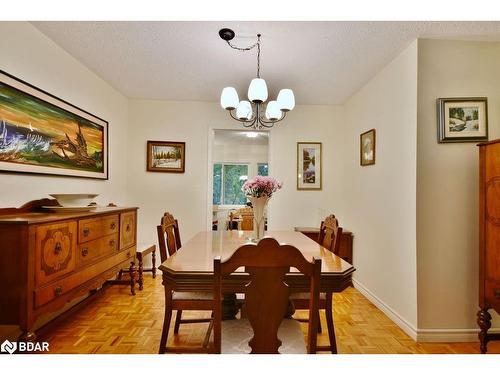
x=309 y=161
x=367 y=148
x=40 y=133
x=166 y=156
x=462 y=119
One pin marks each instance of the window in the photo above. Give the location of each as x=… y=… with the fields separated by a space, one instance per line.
x=228 y=180
x=262 y=169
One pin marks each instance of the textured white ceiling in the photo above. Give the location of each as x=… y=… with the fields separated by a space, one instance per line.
x=323 y=62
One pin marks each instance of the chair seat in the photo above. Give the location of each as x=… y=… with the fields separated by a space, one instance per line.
x=198 y=296
x=237 y=333
x=305 y=295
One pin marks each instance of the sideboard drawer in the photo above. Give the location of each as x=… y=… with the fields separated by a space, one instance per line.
x=91 y=229
x=55 y=247
x=91 y=250
x=59 y=288
x=127 y=229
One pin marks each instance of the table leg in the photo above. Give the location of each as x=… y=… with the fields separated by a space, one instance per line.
x=484 y=322
x=229 y=306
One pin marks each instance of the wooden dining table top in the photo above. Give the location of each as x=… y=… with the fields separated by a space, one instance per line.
x=197 y=255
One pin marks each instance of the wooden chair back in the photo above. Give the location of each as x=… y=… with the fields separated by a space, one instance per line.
x=329 y=234
x=267 y=294
x=169 y=239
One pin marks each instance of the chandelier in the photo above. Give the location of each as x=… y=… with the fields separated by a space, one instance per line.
x=252 y=113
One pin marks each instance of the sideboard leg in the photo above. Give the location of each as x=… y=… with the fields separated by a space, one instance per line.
x=484 y=322
x=131 y=271
x=140 y=281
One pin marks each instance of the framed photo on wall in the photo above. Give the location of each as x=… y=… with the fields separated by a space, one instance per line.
x=40 y=133
x=166 y=156
x=462 y=119
x=309 y=166
x=367 y=148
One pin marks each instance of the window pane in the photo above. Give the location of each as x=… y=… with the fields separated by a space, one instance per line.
x=217 y=183
x=234 y=178
x=262 y=169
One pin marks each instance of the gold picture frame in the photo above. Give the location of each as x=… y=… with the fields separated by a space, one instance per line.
x=166 y=156
x=309 y=166
x=367 y=148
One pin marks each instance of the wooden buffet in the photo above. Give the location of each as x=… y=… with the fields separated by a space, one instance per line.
x=489 y=238
x=48 y=259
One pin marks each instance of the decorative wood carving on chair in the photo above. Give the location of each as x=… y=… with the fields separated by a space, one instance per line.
x=267 y=293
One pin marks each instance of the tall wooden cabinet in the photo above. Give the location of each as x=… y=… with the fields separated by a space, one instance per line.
x=489 y=238
x=48 y=259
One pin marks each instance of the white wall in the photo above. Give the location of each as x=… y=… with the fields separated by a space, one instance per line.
x=187 y=195
x=32 y=57
x=378 y=202
x=447 y=191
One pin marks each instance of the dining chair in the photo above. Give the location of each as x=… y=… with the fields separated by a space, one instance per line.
x=266 y=330
x=329 y=238
x=246 y=214
x=169 y=241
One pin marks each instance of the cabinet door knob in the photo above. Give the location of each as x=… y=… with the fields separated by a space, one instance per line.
x=128 y=228
x=86 y=232
x=58 y=290
x=85 y=252
x=113 y=225
x=57 y=248
x=111 y=243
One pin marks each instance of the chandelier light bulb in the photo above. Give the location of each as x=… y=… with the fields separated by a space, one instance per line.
x=273 y=112
x=244 y=110
x=286 y=100
x=257 y=91
x=229 y=98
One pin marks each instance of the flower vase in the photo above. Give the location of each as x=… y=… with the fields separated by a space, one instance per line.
x=259 y=207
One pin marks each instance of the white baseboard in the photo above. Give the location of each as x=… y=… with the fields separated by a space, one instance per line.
x=450 y=335
x=421 y=335
x=406 y=326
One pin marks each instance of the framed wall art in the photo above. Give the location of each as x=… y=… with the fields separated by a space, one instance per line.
x=367 y=148
x=462 y=119
x=166 y=156
x=309 y=166
x=40 y=133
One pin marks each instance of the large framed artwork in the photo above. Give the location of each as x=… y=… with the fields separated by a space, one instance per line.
x=309 y=165
x=40 y=133
x=462 y=119
x=367 y=148
x=166 y=156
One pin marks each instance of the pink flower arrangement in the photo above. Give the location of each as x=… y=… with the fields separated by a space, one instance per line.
x=261 y=186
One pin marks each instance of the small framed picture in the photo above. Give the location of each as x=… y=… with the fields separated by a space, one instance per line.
x=367 y=148
x=462 y=119
x=166 y=156
x=309 y=162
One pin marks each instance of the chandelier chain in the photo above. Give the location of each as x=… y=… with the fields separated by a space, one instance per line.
x=244 y=49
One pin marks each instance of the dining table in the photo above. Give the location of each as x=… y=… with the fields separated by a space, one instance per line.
x=190 y=269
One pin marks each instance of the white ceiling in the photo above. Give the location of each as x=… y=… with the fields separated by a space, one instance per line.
x=323 y=62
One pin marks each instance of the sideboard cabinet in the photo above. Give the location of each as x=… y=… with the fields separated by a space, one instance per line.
x=489 y=238
x=47 y=259
x=345 y=247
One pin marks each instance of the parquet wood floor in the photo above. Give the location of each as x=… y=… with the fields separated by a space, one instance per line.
x=116 y=322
